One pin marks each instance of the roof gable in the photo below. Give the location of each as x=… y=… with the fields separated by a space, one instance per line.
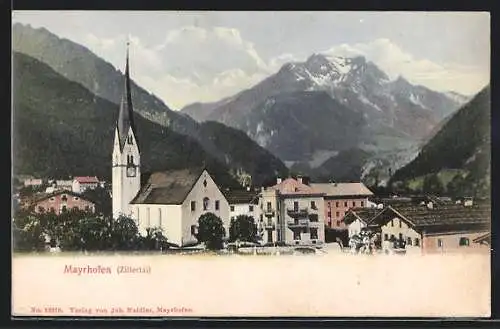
x=168 y=187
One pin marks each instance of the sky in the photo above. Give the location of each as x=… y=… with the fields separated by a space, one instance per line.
x=203 y=56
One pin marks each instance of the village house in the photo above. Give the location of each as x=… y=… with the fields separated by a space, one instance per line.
x=357 y=219
x=174 y=201
x=293 y=213
x=243 y=203
x=428 y=227
x=33 y=182
x=62 y=201
x=339 y=198
x=82 y=183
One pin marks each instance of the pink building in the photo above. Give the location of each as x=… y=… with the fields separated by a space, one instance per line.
x=62 y=201
x=339 y=198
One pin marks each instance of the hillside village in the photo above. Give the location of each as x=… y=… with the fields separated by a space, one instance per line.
x=187 y=209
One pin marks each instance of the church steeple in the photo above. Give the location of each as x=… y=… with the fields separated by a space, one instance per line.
x=126 y=115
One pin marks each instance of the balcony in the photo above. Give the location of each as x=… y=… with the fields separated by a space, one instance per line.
x=297 y=213
x=268 y=225
x=298 y=223
x=269 y=212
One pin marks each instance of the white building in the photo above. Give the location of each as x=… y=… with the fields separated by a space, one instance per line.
x=293 y=213
x=174 y=201
x=358 y=218
x=82 y=183
x=243 y=202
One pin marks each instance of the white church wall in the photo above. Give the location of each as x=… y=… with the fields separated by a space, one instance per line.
x=197 y=194
x=167 y=217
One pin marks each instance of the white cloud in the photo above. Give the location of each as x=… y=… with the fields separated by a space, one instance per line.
x=395 y=61
x=195 y=64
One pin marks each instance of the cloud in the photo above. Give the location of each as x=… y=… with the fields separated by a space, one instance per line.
x=395 y=61
x=194 y=64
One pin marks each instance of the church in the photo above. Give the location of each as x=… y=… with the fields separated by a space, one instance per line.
x=172 y=200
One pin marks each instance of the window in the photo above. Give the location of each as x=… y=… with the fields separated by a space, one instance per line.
x=440 y=243
x=296 y=205
x=159 y=217
x=408 y=242
x=400 y=223
x=129 y=140
x=205 y=183
x=52 y=209
x=313 y=205
x=463 y=242
x=64 y=198
x=386 y=237
x=392 y=222
x=231 y=208
x=417 y=242
x=193 y=205
x=76 y=198
x=392 y=237
x=64 y=209
x=41 y=209
x=87 y=208
x=362 y=203
x=261 y=217
x=337 y=204
x=194 y=230
x=296 y=235
x=329 y=205
x=354 y=203
x=52 y=199
x=338 y=223
x=216 y=204
x=329 y=214
x=269 y=206
x=337 y=214
x=205 y=203
x=400 y=236
x=250 y=208
x=345 y=203
x=278 y=219
x=314 y=233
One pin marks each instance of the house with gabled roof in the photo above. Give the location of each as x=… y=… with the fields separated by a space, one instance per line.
x=174 y=200
x=445 y=227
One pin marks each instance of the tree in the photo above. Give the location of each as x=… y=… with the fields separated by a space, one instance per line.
x=28 y=234
x=154 y=240
x=432 y=185
x=124 y=233
x=243 y=228
x=102 y=199
x=211 y=231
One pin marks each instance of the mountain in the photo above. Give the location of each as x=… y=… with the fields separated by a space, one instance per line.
x=60 y=128
x=378 y=114
x=461 y=148
x=76 y=63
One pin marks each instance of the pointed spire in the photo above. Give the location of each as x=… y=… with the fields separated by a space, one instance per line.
x=126 y=115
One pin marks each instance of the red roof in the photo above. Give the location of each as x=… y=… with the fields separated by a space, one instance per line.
x=86 y=179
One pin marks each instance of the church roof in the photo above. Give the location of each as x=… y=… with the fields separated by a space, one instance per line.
x=168 y=187
x=126 y=114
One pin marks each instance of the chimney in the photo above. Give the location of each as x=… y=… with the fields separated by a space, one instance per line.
x=278 y=180
x=430 y=205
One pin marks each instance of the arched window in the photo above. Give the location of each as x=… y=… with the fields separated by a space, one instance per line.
x=206 y=204
x=464 y=242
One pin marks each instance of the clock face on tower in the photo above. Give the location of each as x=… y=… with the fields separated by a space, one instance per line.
x=131 y=171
